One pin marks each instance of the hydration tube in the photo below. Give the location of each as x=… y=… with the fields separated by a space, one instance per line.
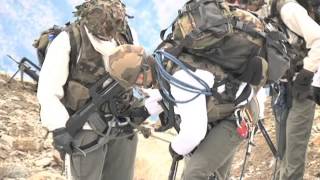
x=160 y=57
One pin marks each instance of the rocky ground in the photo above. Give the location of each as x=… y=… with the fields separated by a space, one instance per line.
x=261 y=164
x=26 y=151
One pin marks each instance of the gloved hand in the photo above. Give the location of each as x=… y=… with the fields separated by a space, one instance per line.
x=175 y=155
x=316 y=94
x=302 y=84
x=62 y=141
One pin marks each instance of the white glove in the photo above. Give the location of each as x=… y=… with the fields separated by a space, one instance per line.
x=151 y=103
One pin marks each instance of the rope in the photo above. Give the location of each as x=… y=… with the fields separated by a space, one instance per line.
x=164 y=76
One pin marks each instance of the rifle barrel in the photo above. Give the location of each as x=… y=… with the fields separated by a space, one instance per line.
x=12 y=59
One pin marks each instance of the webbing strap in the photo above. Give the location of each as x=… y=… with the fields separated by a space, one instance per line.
x=245 y=27
x=74 y=49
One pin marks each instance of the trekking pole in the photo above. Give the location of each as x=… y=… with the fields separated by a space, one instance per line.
x=267 y=138
x=173 y=169
x=248 y=150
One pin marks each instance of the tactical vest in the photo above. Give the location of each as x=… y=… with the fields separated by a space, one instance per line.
x=86 y=66
x=223 y=106
x=298 y=50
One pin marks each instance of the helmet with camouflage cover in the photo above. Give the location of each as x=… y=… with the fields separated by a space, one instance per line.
x=102 y=17
x=126 y=63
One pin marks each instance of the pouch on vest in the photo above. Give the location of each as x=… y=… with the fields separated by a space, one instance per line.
x=76 y=95
x=279 y=61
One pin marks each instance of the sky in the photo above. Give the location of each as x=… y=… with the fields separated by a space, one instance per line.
x=22 y=21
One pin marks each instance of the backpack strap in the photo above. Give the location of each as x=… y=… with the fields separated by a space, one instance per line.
x=75 y=44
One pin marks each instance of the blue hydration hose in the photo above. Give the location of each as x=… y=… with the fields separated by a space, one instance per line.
x=160 y=57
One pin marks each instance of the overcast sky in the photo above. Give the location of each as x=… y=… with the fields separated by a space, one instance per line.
x=21 y=21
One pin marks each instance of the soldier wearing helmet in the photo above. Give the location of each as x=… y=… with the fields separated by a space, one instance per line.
x=73 y=64
x=300 y=19
x=210 y=150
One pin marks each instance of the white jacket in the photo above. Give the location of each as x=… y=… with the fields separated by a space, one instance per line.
x=53 y=76
x=296 y=18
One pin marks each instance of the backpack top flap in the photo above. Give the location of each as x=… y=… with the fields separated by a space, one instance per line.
x=202 y=22
x=225 y=36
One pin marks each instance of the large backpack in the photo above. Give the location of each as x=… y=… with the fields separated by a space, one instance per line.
x=42 y=43
x=228 y=37
x=226 y=41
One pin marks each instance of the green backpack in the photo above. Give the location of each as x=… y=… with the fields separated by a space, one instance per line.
x=228 y=37
x=43 y=42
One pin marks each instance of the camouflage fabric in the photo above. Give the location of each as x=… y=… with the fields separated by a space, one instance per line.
x=188 y=23
x=103 y=18
x=85 y=70
x=126 y=63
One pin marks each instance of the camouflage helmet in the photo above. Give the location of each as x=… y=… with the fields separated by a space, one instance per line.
x=102 y=17
x=126 y=63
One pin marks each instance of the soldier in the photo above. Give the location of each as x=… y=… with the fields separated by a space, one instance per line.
x=210 y=145
x=73 y=64
x=207 y=70
x=293 y=109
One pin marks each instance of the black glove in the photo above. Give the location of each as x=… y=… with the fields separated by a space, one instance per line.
x=175 y=155
x=316 y=94
x=62 y=141
x=302 y=84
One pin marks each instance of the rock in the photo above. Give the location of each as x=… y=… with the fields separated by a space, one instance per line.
x=27 y=144
x=4 y=149
x=46 y=176
x=8 y=139
x=3 y=112
x=13 y=171
x=316 y=141
x=2 y=81
x=15 y=98
x=43 y=162
x=4 y=155
x=56 y=157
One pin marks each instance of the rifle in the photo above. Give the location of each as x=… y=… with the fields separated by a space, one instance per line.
x=26 y=66
x=105 y=90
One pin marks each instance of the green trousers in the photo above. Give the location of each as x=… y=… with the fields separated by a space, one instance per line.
x=299 y=124
x=214 y=154
x=112 y=161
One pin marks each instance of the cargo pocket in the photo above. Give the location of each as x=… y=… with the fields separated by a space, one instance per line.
x=89 y=165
